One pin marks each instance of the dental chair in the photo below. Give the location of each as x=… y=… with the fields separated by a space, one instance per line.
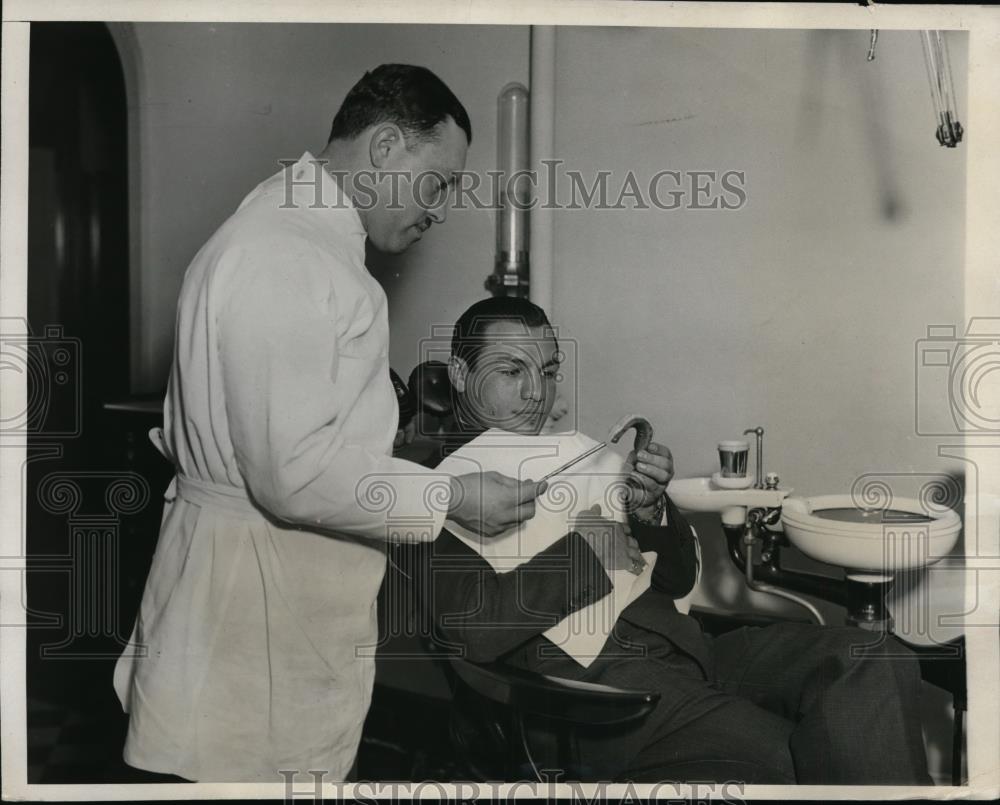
x=509 y=724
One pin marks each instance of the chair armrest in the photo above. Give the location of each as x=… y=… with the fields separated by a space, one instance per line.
x=563 y=699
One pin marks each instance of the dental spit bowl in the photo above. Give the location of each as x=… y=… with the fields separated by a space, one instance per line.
x=834 y=529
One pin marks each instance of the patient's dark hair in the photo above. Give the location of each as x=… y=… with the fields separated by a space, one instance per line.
x=471 y=335
x=413 y=98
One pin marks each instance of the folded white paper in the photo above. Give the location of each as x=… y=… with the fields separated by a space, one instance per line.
x=583 y=633
x=597 y=480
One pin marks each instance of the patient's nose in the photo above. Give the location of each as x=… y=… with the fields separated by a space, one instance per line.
x=533 y=388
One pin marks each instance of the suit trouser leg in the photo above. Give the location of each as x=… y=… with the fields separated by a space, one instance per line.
x=697 y=731
x=853 y=695
x=708 y=735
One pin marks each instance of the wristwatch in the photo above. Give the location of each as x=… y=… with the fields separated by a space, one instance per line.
x=657 y=518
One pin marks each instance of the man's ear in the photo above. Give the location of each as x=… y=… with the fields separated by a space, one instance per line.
x=458 y=371
x=385 y=139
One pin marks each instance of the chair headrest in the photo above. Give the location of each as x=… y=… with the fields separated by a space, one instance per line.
x=431 y=388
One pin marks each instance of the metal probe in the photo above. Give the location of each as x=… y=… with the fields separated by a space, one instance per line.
x=576 y=460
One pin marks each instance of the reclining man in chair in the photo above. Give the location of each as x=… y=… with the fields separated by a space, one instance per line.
x=783 y=704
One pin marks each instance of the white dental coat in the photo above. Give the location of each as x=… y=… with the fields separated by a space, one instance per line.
x=253 y=648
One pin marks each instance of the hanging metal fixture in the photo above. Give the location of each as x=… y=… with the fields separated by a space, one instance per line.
x=949 y=130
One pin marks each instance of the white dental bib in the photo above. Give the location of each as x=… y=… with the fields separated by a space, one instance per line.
x=598 y=479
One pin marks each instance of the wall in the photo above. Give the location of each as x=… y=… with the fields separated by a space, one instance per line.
x=214 y=107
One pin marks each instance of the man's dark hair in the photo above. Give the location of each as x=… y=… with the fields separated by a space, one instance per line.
x=471 y=329
x=413 y=98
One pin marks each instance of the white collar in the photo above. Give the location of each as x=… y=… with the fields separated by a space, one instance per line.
x=330 y=195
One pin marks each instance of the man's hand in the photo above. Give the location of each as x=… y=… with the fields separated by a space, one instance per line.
x=491 y=503
x=650 y=472
x=616 y=548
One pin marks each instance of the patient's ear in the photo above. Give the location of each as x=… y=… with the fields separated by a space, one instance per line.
x=458 y=370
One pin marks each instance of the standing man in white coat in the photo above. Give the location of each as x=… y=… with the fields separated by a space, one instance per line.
x=279 y=418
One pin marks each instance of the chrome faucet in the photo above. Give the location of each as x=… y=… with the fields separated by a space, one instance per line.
x=756 y=530
x=758 y=482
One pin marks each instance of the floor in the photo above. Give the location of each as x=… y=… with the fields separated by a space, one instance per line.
x=405 y=738
x=75 y=745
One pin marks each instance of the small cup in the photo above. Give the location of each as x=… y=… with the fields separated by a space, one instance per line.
x=733 y=459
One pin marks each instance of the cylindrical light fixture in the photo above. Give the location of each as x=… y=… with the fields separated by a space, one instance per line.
x=512 y=194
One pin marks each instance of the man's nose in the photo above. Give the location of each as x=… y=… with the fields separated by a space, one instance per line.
x=532 y=389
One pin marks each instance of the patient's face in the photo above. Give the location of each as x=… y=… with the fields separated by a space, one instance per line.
x=512 y=385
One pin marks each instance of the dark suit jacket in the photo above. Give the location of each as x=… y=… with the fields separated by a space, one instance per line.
x=491 y=616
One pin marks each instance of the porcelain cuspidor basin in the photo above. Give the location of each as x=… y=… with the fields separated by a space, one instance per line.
x=835 y=530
